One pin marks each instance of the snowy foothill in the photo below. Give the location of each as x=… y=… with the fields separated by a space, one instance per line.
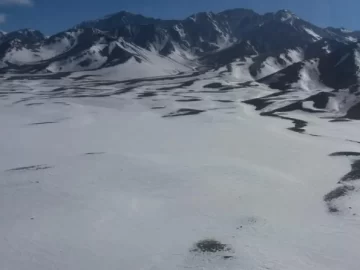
x=171 y=173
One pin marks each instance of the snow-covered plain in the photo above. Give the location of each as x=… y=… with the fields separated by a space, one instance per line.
x=92 y=176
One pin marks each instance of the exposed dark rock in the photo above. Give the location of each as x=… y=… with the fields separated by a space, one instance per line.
x=354 y=174
x=213 y=85
x=147 y=94
x=354 y=112
x=345 y=153
x=338 y=192
x=298 y=124
x=210 y=246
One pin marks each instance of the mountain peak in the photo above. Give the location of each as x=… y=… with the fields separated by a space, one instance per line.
x=285 y=15
x=120 y=13
x=201 y=15
x=344 y=30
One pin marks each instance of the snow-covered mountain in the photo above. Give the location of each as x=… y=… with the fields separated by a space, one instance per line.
x=277 y=49
x=328 y=83
x=273 y=41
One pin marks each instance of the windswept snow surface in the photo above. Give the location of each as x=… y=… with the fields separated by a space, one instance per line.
x=108 y=183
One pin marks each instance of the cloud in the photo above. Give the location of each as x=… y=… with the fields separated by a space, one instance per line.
x=16 y=2
x=2 y=18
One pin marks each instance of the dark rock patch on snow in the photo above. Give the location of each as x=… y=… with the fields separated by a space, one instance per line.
x=354 y=112
x=210 y=246
x=354 y=174
x=147 y=94
x=337 y=120
x=298 y=124
x=345 y=153
x=189 y=100
x=213 y=85
x=338 y=192
x=335 y=194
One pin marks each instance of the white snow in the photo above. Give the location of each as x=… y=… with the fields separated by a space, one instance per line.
x=162 y=184
x=310 y=77
x=344 y=30
x=272 y=65
x=296 y=55
x=312 y=33
x=310 y=105
x=152 y=66
x=326 y=48
x=357 y=61
x=193 y=18
x=73 y=64
x=240 y=70
x=352 y=39
x=288 y=16
x=21 y=56
x=59 y=47
x=180 y=30
x=346 y=56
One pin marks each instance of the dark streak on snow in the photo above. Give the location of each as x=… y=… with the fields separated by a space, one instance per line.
x=34 y=104
x=94 y=153
x=345 y=153
x=189 y=100
x=43 y=123
x=183 y=112
x=30 y=168
x=224 y=100
x=336 y=120
x=61 y=103
x=147 y=94
x=49 y=122
x=22 y=100
x=158 y=107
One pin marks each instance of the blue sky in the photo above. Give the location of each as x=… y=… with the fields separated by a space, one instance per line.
x=51 y=16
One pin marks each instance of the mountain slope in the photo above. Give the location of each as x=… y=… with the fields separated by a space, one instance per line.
x=329 y=83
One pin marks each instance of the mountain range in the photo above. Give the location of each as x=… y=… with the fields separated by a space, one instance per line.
x=277 y=49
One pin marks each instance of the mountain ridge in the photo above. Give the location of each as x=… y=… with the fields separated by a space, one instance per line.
x=271 y=42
